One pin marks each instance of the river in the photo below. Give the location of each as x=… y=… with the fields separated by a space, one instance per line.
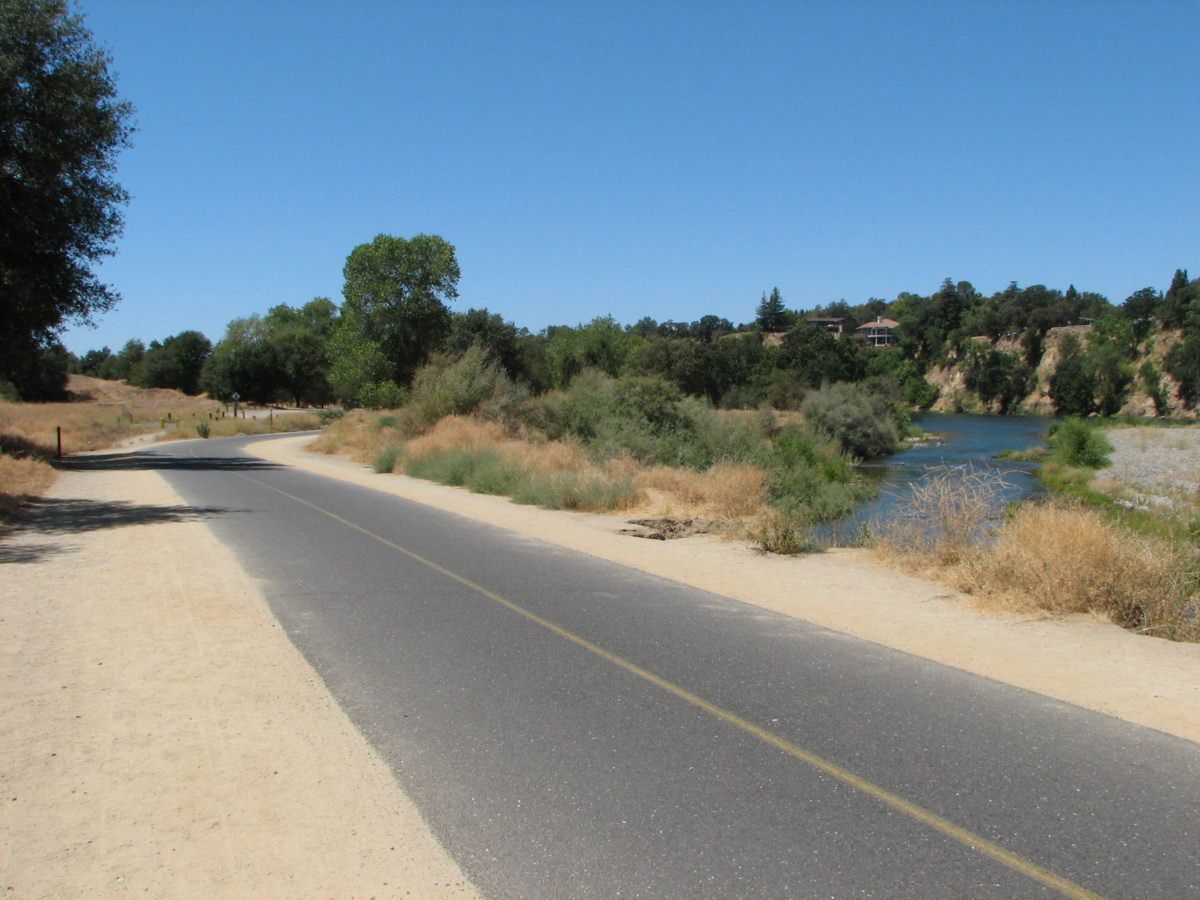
x=959 y=441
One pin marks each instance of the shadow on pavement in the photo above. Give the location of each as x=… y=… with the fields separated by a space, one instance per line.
x=26 y=553
x=127 y=460
x=76 y=516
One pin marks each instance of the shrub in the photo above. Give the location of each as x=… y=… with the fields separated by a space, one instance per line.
x=325 y=416
x=1074 y=443
x=567 y=490
x=381 y=395
x=811 y=477
x=785 y=532
x=1068 y=559
x=862 y=421
x=472 y=383
x=202 y=429
x=945 y=514
x=385 y=460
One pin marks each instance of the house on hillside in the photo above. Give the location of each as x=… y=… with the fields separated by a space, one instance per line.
x=835 y=325
x=880 y=333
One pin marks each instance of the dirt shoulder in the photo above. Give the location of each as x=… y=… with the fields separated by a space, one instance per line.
x=1093 y=664
x=160 y=733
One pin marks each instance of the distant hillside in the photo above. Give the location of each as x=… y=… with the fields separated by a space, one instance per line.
x=955 y=396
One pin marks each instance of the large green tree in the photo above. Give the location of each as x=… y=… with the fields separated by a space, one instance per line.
x=395 y=313
x=61 y=126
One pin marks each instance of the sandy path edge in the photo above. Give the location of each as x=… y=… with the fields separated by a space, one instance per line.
x=161 y=735
x=1092 y=664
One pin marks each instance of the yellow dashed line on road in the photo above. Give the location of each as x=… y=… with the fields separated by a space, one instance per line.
x=914 y=811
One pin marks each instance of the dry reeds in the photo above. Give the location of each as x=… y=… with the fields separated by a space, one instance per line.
x=1067 y=559
x=1057 y=558
x=726 y=490
x=944 y=514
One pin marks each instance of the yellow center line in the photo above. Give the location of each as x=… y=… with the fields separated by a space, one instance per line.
x=914 y=811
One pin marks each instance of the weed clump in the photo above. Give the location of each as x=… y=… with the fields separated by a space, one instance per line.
x=1068 y=558
x=1073 y=443
x=385 y=459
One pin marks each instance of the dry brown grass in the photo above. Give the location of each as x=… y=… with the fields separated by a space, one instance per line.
x=21 y=480
x=1054 y=558
x=727 y=492
x=356 y=435
x=1069 y=559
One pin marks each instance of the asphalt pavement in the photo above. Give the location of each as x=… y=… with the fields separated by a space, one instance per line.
x=574 y=728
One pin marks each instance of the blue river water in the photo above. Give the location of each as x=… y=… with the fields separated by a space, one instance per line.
x=972 y=442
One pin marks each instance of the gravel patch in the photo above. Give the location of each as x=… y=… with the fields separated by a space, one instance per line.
x=1163 y=463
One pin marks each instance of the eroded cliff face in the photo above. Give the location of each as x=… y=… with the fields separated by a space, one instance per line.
x=955 y=396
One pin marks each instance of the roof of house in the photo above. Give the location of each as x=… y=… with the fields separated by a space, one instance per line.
x=880 y=323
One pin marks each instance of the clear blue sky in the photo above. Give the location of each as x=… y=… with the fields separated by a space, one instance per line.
x=666 y=159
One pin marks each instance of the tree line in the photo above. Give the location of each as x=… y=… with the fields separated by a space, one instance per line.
x=395 y=317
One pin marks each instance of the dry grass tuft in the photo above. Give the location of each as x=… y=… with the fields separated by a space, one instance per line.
x=1070 y=559
x=20 y=480
x=726 y=490
x=456 y=433
x=944 y=516
x=355 y=435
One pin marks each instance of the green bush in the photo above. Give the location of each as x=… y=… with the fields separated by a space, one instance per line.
x=325 y=416
x=1074 y=443
x=381 y=395
x=566 y=490
x=385 y=459
x=203 y=429
x=8 y=391
x=863 y=421
x=810 y=477
x=472 y=383
x=784 y=532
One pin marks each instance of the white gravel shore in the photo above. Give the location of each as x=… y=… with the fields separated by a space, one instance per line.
x=1160 y=464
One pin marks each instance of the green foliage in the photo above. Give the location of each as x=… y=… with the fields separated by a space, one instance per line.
x=42 y=376
x=381 y=395
x=176 y=363
x=498 y=338
x=1074 y=443
x=771 y=314
x=61 y=127
x=486 y=472
x=906 y=373
x=395 y=291
x=815 y=356
x=863 y=421
x=786 y=532
x=8 y=392
x=386 y=459
x=602 y=344
x=996 y=376
x=566 y=490
x=471 y=383
x=1071 y=383
x=1183 y=362
x=203 y=429
x=325 y=416
x=1110 y=375
x=356 y=363
x=1152 y=383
